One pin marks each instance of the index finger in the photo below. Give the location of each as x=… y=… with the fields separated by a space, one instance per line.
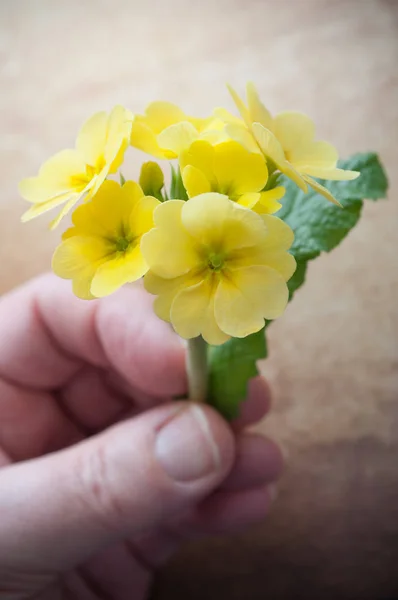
x=47 y=335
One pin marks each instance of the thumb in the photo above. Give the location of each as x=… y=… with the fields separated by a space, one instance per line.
x=58 y=510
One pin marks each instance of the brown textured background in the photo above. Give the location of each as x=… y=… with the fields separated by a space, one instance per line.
x=334 y=355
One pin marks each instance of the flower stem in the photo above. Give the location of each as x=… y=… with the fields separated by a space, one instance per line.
x=197 y=370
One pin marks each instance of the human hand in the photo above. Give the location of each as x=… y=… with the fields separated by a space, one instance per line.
x=102 y=475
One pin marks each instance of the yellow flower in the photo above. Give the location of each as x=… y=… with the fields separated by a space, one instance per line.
x=101 y=252
x=287 y=141
x=217 y=268
x=230 y=169
x=71 y=174
x=156 y=133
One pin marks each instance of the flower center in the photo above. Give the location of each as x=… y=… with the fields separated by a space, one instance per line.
x=81 y=180
x=122 y=244
x=215 y=261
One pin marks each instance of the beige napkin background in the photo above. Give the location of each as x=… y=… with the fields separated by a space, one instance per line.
x=334 y=355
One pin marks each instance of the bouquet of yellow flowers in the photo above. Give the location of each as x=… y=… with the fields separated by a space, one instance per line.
x=226 y=246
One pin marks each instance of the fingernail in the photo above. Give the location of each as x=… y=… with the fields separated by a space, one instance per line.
x=185 y=446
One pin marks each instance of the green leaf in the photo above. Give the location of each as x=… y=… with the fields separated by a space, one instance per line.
x=231 y=365
x=177 y=189
x=298 y=277
x=122 y=179
x=319 y=226
x=272 y=182
x=372 y=184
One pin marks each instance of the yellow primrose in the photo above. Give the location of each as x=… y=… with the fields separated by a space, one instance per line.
x=287 y=140
x=101 y=252
x=218 y=269
x=156 y=133
x=71 y=174
x=229 y=168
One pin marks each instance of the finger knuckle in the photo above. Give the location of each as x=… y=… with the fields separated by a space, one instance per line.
x=98 y=491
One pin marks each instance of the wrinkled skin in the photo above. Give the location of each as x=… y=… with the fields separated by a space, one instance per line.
x=88 y=509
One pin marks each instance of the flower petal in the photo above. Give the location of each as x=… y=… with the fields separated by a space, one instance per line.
x=141 y=219
x=62 y=166
x=279 y=260
x=192 y=314
x=118 y=136
x=78 y=258
x=240 y=105
x=159 y=115
x=287 y=169
x=107 y=214
x=268 y=202
x=321 y=190
x=168 y=249
x=217 y=222
x=279 y=235
x=293 y=130
x=131 y=194
x=167 y=289
x=39 y=191
x=227 y=117
x=143 y=138
x=199 y=154
x=40 y=208
x=54 y=178
x=270 y=251
x=195 y=181
x=282 y=262
x=247 y=297
x=64 y=211
x=118 y=270
x=91 y=139
x=258 y=112
x=98 y=180
x=215 y=136
x=115 y=163
x=272 y=149
x=205 y=124
x=190 y=309
x=316 y=154
x=237 y=170
x=273 y=244
x=331 y=174
x=168 y=215
x=243 y=136
x=211 y=332
x=249 y=200
x=268 y=143
x=177 y=138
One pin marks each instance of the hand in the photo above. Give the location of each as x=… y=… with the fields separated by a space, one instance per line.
x=102 y=474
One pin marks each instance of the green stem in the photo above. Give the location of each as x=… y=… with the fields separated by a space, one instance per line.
x=197 y=370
